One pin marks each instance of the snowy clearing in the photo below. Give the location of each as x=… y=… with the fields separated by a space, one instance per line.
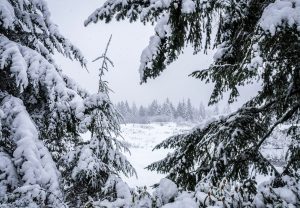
x=141 y=139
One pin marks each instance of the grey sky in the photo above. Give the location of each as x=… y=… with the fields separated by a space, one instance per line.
x=127 y=44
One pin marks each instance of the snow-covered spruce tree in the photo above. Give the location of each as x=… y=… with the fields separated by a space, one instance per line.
x=92 y=168
x=255 y=41
x=43 y=113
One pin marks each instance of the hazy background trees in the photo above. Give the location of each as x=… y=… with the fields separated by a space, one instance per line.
x=167 y=111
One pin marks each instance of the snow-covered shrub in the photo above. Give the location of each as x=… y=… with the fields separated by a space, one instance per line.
x=142 y=198
x=165 y=192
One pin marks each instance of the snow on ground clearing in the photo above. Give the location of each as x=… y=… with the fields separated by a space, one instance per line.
x=141 y=139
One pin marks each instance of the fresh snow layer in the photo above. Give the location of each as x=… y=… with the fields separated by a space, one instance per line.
x=279 y=12
x=166 y=191
x=31 y=158
x=141 y=139
x=188 y=6
x=162 y=30
x=7 y=14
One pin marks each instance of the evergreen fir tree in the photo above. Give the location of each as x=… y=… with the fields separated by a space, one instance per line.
x=127 y=113
x=189 y=111
x=173 y=110
x=134 y=109
x=153 y=109
x=142 y=111
x=122 y=110
x=92 y=168
x=43 y=158
x=142 y=116
x=202 y=111
x=127 y=108
x=255 y=40
x=167 y=110
x=134 y=113
x=181 y=112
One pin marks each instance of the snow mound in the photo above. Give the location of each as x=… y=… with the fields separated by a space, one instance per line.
x=165 y=192
x=280 y=12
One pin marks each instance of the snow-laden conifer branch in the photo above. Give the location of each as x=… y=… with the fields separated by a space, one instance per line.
x=44 y=115
x=30 y=20
x=163 y=48
x=30 y=170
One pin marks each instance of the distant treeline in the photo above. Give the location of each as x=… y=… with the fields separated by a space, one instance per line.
x=167 y=112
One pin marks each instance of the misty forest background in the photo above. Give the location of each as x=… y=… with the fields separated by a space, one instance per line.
x=168 y=111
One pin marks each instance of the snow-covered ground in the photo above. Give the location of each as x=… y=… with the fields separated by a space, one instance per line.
x=141 y=139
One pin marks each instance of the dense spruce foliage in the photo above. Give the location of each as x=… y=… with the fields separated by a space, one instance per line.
x=255 y=41
x=44 y=160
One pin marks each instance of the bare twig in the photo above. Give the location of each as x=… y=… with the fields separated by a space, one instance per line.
x=106 y=62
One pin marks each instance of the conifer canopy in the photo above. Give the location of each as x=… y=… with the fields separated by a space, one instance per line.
x=255 y=41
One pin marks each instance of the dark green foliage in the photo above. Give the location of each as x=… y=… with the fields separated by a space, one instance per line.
x=223 y=149
x=252 y=46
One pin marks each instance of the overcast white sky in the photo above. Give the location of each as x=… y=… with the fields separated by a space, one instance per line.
x=127 y=44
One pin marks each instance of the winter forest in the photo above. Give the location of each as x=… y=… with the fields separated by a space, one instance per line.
x=223 y=135
x=168 y=112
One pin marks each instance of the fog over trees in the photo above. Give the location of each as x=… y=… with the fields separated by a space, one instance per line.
x=168 y=112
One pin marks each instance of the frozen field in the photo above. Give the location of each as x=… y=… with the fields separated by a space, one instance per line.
x=141 y=139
